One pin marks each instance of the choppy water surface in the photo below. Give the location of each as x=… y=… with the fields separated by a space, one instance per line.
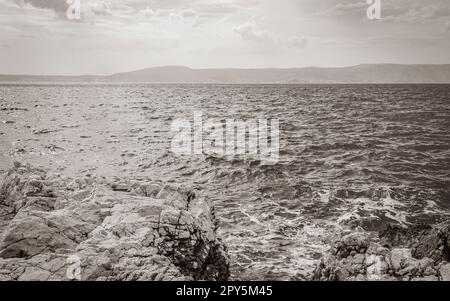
x=352 y=156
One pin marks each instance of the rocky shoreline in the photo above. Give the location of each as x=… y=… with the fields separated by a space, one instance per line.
x=57 y=228
x=115 y=230
x=419 y=253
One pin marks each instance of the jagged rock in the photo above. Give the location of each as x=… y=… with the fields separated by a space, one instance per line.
x=418 y=253
x=394 y=235
x=435 y=245
x=352 y=244
x=399 y=256
x=147 y=231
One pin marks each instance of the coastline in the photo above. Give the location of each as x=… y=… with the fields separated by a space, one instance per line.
x=151 y=231
x=116 y=231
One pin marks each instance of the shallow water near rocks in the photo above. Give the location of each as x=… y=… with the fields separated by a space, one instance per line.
x=351 y=157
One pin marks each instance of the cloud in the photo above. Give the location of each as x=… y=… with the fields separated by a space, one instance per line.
x=250 y=31
x=160 y=13
x=152 y=13
x=342 y=9
x=185 y=8
x=58 y=6
x=187 y=16
x=447 y=26
x=88 y=8
x=99 y=8
x=412 y=12
x=188 y=13
x=299 y=42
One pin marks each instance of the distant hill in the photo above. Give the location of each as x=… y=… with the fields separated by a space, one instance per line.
x=381 y=73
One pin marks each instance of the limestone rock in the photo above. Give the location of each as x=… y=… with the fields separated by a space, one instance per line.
x=57 y=228
x=419 y=253
x=435 y=245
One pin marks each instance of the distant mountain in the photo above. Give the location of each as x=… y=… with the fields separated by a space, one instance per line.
x=51 y=78
x=381 y=73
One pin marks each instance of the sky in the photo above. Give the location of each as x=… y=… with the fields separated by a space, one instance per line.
x=78 y=37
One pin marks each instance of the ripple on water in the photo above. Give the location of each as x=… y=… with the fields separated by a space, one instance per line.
x=352 y=157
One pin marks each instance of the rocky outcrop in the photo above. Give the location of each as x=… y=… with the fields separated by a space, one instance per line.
x=415 y=253
x=57 y=228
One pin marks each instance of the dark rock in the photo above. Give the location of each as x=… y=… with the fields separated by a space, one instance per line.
x=353 y=243
x=394 y=235
x=415 y=253
x=435 y=245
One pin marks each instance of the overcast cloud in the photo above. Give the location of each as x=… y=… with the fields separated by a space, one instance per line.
x=36 y=36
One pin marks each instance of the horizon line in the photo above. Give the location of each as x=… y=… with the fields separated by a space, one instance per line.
x=222 y=68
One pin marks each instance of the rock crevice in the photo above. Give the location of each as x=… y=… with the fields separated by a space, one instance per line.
x=107 y=231
x=419 y=253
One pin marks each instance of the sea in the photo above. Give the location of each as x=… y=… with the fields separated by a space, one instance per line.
x=351 y=157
